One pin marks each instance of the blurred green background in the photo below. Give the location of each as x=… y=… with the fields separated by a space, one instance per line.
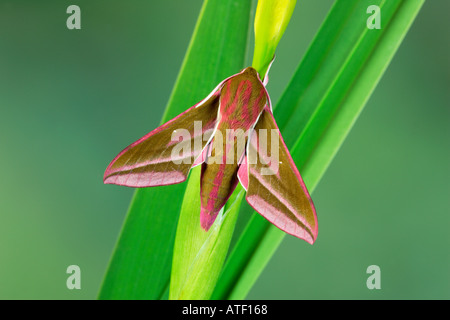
x=72 y=99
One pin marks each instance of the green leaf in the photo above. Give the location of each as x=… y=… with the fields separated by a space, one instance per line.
x=324 y=98
x=199 y=255
x=140 y=266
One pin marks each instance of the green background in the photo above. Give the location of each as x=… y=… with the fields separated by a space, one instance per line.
x=72 y=99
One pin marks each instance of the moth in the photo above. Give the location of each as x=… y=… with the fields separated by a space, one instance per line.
x=233 y=135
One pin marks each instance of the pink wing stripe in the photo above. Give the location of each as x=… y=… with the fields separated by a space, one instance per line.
x=278 y=218
x=243 y=173
x=206 y=218
x=147 y=179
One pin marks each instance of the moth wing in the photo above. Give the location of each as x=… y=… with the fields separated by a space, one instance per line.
x=165 y=155
x=243 y=173
x=275 y=188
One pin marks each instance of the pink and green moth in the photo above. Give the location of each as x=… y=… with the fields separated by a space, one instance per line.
x=241 y=105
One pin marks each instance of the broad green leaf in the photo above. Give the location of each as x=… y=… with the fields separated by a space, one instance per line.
x=141 y=262
x=317 y=110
